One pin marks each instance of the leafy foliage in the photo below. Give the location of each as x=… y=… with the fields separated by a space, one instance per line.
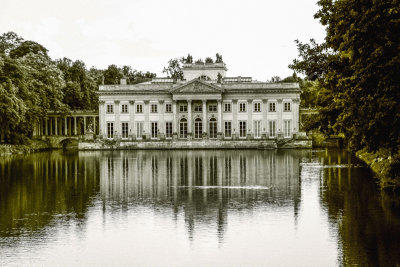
x=358 y=71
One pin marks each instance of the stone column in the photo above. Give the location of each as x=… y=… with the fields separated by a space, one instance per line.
x=279 y=125
x=264 y=119
x=132 y=132
x=117 y=126
x=84 y=125
x=189 y=103
x=175 y=120
x=205 y=120
x=55 y=126
x=235 y=130
x=219 y=120
x=102 y=124
x=295 y=112
x=161 y=126
x=74 y=125
x=65 y=126
x=250 y=130
x=50 y=126
x=94 y=125
x=70 y=125
x=147 y=119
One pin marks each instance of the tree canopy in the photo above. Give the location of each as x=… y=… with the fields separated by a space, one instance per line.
x=357 y=70
x=32 y=84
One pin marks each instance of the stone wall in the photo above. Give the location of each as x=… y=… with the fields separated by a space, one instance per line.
x=202 y=144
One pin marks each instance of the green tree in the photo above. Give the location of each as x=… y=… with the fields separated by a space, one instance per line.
x=174 y=69
x=358 y=71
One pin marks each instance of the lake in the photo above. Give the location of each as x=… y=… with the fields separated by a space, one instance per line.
x=195 y=208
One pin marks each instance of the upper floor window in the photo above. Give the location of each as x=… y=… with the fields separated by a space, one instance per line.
x=139 y=108
x=272 y=107
x=227 y=107
x=153 y=108
x=212 y=107
x=182 y=108
x=286 y=106
x=257 y=107
x=124 y=108
x=198 y=108
x=168 y=108
x=110 y=108
x=242 y=107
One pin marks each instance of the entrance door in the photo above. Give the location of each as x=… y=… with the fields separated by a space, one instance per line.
x=198 y=128
x=183 y=128
x=213 y=128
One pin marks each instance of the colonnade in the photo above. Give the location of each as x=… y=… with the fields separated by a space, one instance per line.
x=71 y=125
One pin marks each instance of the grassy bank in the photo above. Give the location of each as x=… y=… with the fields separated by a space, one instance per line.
x=385 y=166
x=33 y=146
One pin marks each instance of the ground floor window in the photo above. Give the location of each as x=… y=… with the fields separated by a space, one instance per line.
x=228 y=129
x=272 y=128
x=257 y=129
x=213 y=128
x=242 y=128
x=110 y=130
x=154 y=130
x=287 y=128
x=198 y=128
x=168 y=129
x=183 y=128
x=124 y=127
x=139 y=129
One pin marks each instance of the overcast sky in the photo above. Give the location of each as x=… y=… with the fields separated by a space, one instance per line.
x=255 y=37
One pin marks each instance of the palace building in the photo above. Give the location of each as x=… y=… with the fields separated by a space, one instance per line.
x=206 y=104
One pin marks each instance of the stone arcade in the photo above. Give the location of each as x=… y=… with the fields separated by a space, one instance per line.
x=204 y=105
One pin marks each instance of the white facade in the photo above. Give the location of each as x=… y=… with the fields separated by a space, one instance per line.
x=199 y=107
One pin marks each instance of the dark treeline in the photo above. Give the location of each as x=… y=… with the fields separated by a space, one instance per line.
x=357 y=74
x=32 y=84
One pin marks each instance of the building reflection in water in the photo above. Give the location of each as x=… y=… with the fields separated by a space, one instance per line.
x=204 y=184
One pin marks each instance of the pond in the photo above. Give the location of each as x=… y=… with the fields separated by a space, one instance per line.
x=195 y=208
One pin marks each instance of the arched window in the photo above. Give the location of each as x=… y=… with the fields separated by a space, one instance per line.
x=213 y=128
x=198 y=128
x=183 y=128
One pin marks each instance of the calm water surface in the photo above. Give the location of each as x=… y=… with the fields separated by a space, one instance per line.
x=195 y=208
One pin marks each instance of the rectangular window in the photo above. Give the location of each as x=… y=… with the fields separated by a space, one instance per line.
x=139 y=129
x=182 y=108
x=272 y=128
x=139 y=108
x=242 y=107
x=198 y=108
x=272 y=107
x=110 y=130
x=124 y=108
x=110 y=108
x=154 y=129
x=257 y=107
x=212 y=107
x=168 y=129
x=242 y=129
x=227 y=107
x=124 y=127
x=228 y=129
x=153 y=108
x=168 y=108
x=257 y=129
x=287 y=128
x=286 y=106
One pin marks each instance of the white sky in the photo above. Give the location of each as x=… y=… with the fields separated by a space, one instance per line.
x=255 y=37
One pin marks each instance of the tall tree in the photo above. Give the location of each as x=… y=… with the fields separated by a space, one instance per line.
x=174 y=69
x=358 y=71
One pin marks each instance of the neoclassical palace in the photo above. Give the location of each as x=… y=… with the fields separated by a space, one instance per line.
x=206 y=104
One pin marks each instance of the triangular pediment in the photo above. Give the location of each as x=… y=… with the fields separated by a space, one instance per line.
x=196 y=86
